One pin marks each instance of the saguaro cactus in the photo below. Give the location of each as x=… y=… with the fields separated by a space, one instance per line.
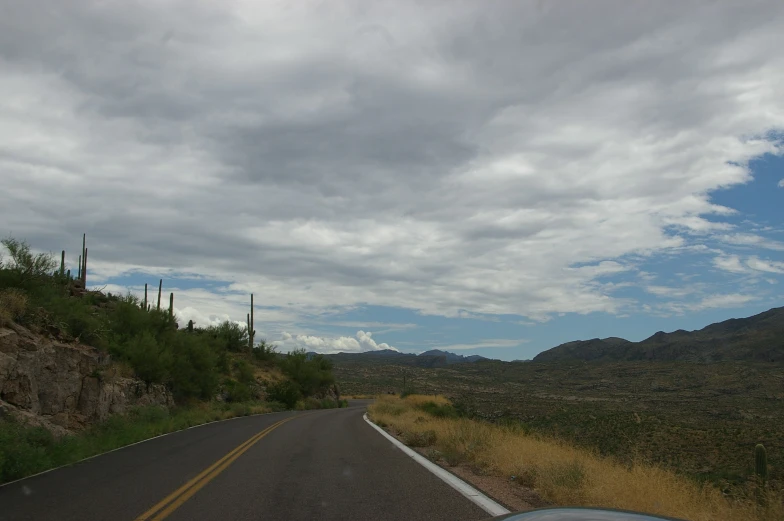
x=251 y=325
x=79 y=269
x=84 y=269
x=62 y=263
x=84 y=261
x=144 y=306
x=761 y=461
x=190 y=326
x=171 y=305
x=160 y=287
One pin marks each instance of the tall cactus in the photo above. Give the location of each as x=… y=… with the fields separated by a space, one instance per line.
x=190 y=326
x=251 y=331
x=171 y=305
x=160 y=287
x=144 y=306
x=79 y=269
x=62 y=264
x=84 y=261
x=761 y=461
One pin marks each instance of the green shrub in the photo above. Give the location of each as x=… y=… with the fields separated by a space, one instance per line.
x=244 y=372
x=51 y=306
x=264 y=352
x=193 y=370
x=25 y=265
x=229 y=335
x=440 y=411
x=285 y=392
x=237 y=391
x=150 y=361
x=127 y=320
x=312 y=375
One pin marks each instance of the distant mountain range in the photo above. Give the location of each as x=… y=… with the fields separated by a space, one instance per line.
x=756 y=338
x=452 y=358
x=760 y=338
x=432 y=358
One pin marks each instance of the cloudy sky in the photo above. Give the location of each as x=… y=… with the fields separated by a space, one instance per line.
x=485 y=177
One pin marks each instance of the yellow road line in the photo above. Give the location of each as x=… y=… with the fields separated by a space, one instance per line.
x=174 y=500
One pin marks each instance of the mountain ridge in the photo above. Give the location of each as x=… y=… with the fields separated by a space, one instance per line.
x=759 y=337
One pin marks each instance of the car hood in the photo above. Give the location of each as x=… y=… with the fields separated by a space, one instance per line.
x=581 y=514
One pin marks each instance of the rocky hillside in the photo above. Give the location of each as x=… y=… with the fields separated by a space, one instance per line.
x=756 y=338
x=64 y=386
x=452 y=358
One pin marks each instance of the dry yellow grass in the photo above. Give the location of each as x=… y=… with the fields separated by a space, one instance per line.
x=562 y=474
x=13 y=303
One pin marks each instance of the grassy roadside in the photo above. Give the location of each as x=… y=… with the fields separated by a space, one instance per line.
x=558 y=472
x=26 y=450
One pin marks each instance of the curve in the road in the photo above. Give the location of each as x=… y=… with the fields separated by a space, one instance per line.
x=326 y=465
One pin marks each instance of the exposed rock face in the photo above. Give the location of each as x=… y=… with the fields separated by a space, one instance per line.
x=64 y=386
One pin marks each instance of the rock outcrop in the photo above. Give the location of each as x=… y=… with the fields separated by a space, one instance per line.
x=64 y=387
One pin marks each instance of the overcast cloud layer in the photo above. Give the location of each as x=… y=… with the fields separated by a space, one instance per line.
x=455 y=157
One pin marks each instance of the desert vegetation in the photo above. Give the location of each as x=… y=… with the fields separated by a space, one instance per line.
x=212 y=372
x=560 y=472
x=700 y=420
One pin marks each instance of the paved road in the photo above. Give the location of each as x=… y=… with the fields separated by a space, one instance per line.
x=319 y=465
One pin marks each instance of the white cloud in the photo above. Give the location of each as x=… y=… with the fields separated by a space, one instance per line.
x=750 y=239
x=781 y=183
x=345 y=344
x=451 y=159
x=666 y=291
x=731 y=300
x=768 y=266
x=723 y=301
x=734 y=264
x=731 y=263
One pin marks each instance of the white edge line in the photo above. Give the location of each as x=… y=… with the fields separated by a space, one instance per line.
x=472 y=494
x=135 y=443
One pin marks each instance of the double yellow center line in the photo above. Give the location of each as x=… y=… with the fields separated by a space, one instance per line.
x=174 y=500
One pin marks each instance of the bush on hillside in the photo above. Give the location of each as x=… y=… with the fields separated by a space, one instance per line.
x=149 y=360
x=264 y=352
x=312 y=375
x=229 y=335
x=285 y=392
x=13 y=305
x=191 y=363
x=237 y=391
x=244 y=372
x=24 y=265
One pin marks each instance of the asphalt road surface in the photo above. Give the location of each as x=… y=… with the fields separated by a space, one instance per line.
x=317 y=465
